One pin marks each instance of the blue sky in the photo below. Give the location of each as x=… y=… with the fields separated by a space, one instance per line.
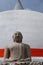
x=35 y=5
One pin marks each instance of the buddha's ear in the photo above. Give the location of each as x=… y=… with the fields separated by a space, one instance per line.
x=22 y=37
x=13 y=36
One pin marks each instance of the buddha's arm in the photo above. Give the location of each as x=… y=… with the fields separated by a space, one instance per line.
x=6 y=54
x=28 y=53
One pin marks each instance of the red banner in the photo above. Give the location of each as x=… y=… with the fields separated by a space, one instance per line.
x=34 y=52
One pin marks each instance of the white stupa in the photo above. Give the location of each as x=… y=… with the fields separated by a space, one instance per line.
x=29 y=23
x=18 y=5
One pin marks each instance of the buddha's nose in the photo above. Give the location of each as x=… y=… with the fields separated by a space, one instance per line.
x=17 y=35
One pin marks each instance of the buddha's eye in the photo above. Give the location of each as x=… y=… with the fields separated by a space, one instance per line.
x=15 y=33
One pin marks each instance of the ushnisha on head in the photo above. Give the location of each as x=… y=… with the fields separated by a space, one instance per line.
x=17 y=37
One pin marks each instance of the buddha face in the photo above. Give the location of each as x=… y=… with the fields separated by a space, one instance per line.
x=17 y=37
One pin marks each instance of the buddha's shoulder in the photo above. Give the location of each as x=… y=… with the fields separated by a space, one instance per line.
x=25 y=45
x=12 y=45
